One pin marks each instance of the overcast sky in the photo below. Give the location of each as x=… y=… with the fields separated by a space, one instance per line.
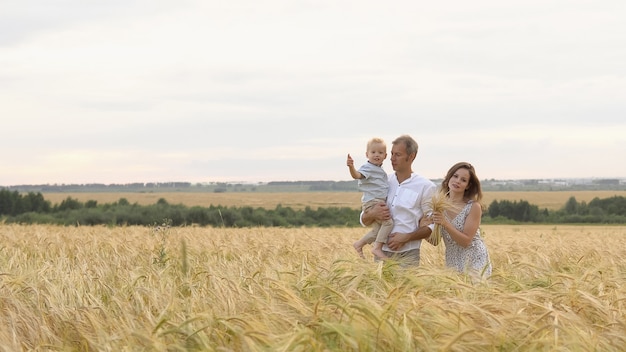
x=125 y=91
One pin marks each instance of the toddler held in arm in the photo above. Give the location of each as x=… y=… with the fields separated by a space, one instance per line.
x=372 y=181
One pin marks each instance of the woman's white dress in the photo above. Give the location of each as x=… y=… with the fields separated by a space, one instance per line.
x=474 y=259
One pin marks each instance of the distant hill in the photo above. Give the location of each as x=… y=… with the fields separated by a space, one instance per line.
x=491 y=185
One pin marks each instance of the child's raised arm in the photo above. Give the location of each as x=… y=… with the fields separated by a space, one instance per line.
x=353 y=172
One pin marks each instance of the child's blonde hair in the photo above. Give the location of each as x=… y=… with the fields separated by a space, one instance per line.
x=375 y=140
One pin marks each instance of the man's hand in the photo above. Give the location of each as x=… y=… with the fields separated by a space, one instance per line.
x=426 y=220
x=380 y=212
x=397 y=240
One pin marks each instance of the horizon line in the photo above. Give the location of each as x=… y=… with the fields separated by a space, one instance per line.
x=295 y=181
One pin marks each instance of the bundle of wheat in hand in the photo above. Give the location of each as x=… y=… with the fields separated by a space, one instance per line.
x=440 y=203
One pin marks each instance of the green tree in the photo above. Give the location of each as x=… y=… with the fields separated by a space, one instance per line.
x=70 y=204
x=571 y=206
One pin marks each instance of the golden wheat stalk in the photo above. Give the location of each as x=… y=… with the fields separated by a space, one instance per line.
x=440 y=202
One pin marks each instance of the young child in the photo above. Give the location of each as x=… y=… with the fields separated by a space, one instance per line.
x=374 y=185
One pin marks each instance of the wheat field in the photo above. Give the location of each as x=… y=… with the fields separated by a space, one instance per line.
x=554 y=288
x=299 y=200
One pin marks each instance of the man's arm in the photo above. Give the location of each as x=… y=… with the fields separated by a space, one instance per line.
x=380 y=212
x=397 y=240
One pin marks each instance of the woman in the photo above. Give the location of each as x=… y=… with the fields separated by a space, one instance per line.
x=465 y=250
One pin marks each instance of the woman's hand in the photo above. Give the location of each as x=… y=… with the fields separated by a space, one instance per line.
x=438 y=218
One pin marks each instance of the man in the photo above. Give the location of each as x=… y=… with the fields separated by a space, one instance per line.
x=409 y=198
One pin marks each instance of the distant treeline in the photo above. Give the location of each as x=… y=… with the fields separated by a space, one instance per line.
x=214 y=187
x=311 y=186
x=32 y=208
x=610 y=210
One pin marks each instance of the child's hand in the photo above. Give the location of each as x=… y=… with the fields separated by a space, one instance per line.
x=350 y=162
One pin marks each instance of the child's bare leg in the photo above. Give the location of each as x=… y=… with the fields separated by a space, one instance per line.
x=377 y=250
x=358 y=247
